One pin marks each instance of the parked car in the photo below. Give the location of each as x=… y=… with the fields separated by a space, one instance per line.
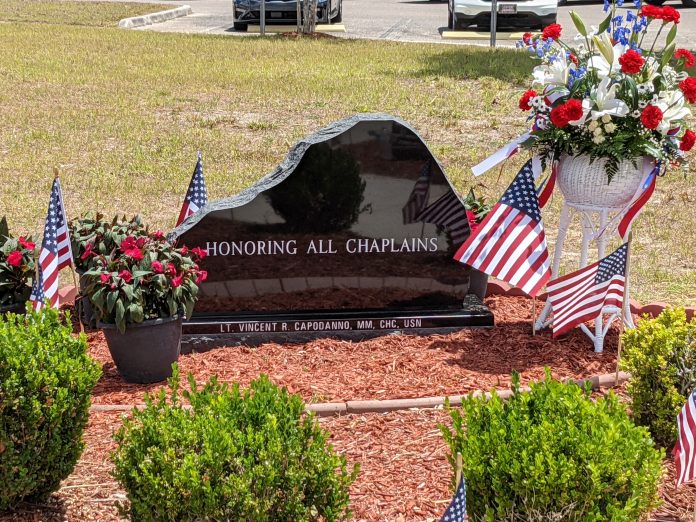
x=528 y=14
x=283 y=12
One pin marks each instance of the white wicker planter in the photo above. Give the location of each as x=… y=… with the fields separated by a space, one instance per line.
x=586 y=184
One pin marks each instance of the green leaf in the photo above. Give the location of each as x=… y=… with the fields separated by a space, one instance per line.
x=120 y=316
x=136 y=313
x=667 y=54
x=4 y=228
x=111 y=301
x=604 y=25
x=671 y=36
x=579 y=24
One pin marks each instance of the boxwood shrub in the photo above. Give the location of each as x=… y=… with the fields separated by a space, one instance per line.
x=46 y=381
x=236 y=454
x=660 y=355
x=553 y=454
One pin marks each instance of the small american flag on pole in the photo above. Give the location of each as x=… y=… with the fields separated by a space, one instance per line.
x=449 y=213
x=581 y=296
x=510 y=243
x=196 y=196
x=419 y=196
x=456 y=512
x=685 y=450
x=55 y=253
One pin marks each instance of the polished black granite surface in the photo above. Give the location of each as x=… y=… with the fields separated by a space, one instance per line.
x=356 y=229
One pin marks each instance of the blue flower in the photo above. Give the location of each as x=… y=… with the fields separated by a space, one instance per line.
x=636 y=3
x=606 y=5
x=630 y=16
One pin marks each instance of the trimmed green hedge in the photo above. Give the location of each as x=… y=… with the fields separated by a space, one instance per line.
x=46 y=381
x=553 y=454
x=251 y=455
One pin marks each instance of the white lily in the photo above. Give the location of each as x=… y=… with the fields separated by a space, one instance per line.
x=672 y=105
x=554 y=73
x=607 y=61
x=606 y=101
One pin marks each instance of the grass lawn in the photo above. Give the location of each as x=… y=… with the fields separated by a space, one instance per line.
x=122 y=113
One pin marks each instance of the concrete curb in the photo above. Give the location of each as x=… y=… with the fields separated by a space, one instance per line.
x=155 y=18
x=331 y=409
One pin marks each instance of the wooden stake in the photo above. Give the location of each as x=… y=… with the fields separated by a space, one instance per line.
x=533 y=316
x=622 y=319
x=694 y=511
x=459 y=471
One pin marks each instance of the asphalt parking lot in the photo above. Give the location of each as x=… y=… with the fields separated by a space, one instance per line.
x=402 y=20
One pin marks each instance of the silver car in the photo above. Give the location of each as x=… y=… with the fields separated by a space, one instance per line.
x=527 y=14
x=282 y=12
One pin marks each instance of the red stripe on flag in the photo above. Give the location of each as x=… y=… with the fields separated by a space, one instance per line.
x=183 y=214
x=486 y=265
x=475 y=236
x=550 y=184
x=635 y=208
x=533 y=270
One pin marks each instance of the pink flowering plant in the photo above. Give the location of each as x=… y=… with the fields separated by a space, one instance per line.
x=17 y=266
x=613 y=92
x=144 y=279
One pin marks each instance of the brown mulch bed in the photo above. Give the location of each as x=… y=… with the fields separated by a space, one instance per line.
x=389 y=367
x=404 y=472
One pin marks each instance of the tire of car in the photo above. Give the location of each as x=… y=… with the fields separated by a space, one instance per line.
x=655 y=2
x=562 y=2
x=339 y=17
x=689 y=3
x=238 y=26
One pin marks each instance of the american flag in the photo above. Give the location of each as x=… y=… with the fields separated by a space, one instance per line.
x=510 y=243
x=196 y=196
x=449 y=213
x=685 y=450
x=580 y=296
x=637 y=205
x=55 y=253
x=456 y=512
x=418 y=197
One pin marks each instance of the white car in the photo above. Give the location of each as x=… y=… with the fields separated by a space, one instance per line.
x=528 y=14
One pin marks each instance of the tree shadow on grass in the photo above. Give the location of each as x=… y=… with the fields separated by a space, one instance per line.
x=469 y=63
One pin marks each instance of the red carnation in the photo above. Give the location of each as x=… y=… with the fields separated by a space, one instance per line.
x=651 y=116
x=527 y=38
x=650 y=11
x=689 y=60
x=670 y=14
x=176 y=281
x=126 y=276
x=140 y=243
x=573 y=109
x=29 y=245
x=688 y=87
x=687 y=141
x=157 y=267
x=203 y=275
x=134 y=253
x=158 y=235
x=524 y=100
x=559 y=117
x=631 y=62
x=552 y=31
x=105 y=278
x=15 y=258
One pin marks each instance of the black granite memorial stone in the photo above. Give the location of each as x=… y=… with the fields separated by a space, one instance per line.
x=354 y=231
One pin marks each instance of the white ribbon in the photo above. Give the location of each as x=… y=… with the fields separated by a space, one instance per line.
x=499 y=156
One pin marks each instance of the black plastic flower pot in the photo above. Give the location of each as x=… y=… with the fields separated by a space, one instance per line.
x=86 y=312
x=145 y=352
x=478 y=283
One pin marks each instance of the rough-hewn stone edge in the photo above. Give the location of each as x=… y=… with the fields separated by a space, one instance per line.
x=155 y=18
x=331 y=409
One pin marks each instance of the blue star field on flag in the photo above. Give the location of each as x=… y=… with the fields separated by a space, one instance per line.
x=456 y=512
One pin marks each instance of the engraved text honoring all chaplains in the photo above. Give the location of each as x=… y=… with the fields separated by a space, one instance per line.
x=291 y=247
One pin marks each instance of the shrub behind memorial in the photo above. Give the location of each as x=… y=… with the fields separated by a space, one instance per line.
x=236 y=454
x=660 y=355
x=553 y=454
x=46 y=380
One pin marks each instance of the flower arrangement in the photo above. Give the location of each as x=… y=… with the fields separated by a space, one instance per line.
x=144 y=279
x=612 y=94
x=16 y=266
x=476 y=209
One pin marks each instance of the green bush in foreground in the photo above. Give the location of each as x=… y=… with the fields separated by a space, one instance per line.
x=251 y=455
x=46 y=381
x=553 y=454
x=660 y=355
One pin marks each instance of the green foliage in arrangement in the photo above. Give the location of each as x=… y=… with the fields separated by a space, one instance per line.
x=553 y=454
x=234 y=455
x=46 y=381
x=660 y=355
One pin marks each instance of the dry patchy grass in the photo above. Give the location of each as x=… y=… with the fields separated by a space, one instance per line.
x=122 y=113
